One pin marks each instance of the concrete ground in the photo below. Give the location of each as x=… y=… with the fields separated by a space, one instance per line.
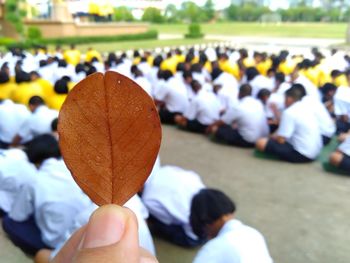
x=302 y=211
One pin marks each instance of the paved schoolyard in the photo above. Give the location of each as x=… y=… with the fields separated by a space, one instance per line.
x=302 y=211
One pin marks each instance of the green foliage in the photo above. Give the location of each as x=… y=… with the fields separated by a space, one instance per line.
x=34 y=33
x=248 y=12
x=153 y=15
x=6 y=41
x=194 y=31
x=209 y=10
x=152 y=34
x=191 y=12
x=14 y=14
x=122 y=13
x=172 y=15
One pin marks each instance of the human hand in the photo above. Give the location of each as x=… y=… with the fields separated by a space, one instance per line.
x=110 y=236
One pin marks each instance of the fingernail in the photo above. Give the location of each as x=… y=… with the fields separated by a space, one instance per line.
x=106 y=227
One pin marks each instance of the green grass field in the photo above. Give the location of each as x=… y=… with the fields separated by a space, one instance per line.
x=306 y=30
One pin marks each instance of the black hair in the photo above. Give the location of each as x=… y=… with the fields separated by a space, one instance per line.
x=328 y=87
x=4 y=77
x=187 y=74
x=79 y=68
x=36 y=101
x=91 y=70
x=41 y=148
x=157 y=61
x=251 y=73
x=335 y=73
x=280 y=77
x=245 y=90
x=207 y=206
x=42 y=63
x=297 y=92
x=62 y=63
x=197 y=67
x=22 y=76
x=263 y=93
x=180 y=67
x=215 y=73
x=167 y=74
x=61 y=86
x=54 y=125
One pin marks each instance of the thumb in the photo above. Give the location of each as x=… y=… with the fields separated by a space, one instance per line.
x=110 y=236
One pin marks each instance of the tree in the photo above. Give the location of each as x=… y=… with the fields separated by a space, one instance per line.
x=122 y=13
x=14 y=13
x=153 y=15
x=192 y=12
x=171 y=13
x=209 y=10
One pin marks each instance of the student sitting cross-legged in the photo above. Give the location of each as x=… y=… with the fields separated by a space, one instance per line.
x=203 y=111
x=45 y=207
x=244 y=123
x=298 y=138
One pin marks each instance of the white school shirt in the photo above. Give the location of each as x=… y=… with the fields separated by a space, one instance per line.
x=345 y=147
x=301 y=129
x=169 y=195
x=342 y=101
x=15 y=171
x=235 y=243
x=145 y=68
x=326 y=124
x=249 y=115
x=144 y=84
x=54 y=199
x=48 y=72
x=135 y=204
x=79 y=77
x=228 y=94
x=173 y=94
x=260 y=82
x=12 y=117
x=204 y=107
x=39 y=122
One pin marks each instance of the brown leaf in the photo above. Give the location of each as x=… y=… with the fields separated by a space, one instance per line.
x=110 y=136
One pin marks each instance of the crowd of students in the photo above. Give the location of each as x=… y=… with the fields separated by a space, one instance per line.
x=287 y=105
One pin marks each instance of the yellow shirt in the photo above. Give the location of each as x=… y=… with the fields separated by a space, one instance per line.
x=25 y=91
x=169 y=64
x=93 y=54
x=341 y=81
x=6 y=90
x=55 y=102
x=46 y=86
x=233 y=69
x=72 y=56
x=264 y=66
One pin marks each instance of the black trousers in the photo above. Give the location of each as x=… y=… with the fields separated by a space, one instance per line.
x=285 y=152
x=172 y=233
x=25 y=235
x=231 y=136
x=342 y=127
x=326 y=140
x=167 y=117
x=195 y=126
x=345 y=163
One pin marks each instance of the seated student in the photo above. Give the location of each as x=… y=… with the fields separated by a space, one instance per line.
x=342 y=109
x=298 y=138
x=135 y=204
x=12 y=117
x=203 y=111
x=258 y=81
x=15 y=171
x=244 y=124
x=213 y=218
x=341 y=157
x=41 y=212
x=80 y=73
x=326 y=124
x=168 y=198
x=171 y=97
x=141 y=80
x=328 y=91
x=61 y=91
x=39 y=122
x=226 y=88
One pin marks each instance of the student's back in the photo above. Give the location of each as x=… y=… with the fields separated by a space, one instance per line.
x=235 y=243
x=301 y=129
x=250 y=117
